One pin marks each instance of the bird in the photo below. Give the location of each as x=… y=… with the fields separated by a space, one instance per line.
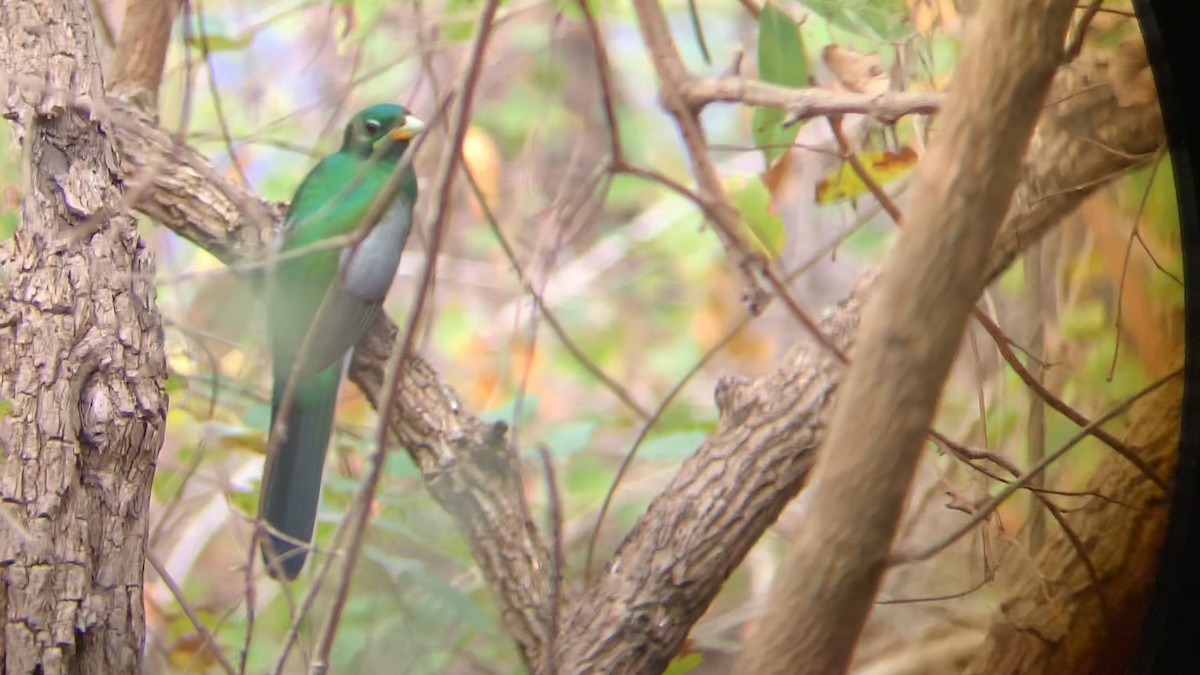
x=322 y=300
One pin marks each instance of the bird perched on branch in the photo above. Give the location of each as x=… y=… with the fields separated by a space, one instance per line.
x=334 y=269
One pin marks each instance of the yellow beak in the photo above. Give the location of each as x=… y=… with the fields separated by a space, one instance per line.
x=411 y=127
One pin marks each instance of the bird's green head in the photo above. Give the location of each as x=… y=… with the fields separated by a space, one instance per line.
x=382 y=130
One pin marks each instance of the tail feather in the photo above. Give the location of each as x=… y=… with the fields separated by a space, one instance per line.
x=291 y=485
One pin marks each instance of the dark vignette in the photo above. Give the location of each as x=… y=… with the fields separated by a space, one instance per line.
x=1172 y=625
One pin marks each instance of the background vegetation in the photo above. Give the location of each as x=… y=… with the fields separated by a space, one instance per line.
x=641 y=305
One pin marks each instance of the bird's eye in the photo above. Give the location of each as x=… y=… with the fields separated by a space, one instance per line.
x=372 y=126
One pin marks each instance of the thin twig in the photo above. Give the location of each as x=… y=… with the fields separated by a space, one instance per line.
x=995 y=331
x=1061 y=406
x=604 y=75
x=908 y=557
x=1055 y=512
x=209 y=641
x=1079 y=32
x=851 y=158
x=644 y=432
x=1112 y=367
x=672 y=76
x=215 y=91
x=987 y=578
x=806 y=103
x=450 y=162
x=551 y=318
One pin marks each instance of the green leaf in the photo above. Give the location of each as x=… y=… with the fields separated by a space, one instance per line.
x=220 y=43
x=424 y=583
x=1083 y=321
x=174 y=383
x=684 y=664
x=763 y=227
x=8 y=223
x=566 y=441
x=781 y=60
x=886 y=19
x=505 y=411
x=672 y=446
x=5 y=407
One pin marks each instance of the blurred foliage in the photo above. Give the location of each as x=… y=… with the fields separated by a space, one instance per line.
x=781 y=60
x=637 y=281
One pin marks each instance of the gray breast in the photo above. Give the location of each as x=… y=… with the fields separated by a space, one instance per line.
x=368 y=269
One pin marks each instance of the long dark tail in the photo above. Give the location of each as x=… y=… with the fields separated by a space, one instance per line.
x=291 y=485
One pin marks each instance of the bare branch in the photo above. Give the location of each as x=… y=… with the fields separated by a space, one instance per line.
x=634 y=619
x=810 y=102
x=1071 y=636
x=911 y=328
x=908 y=557
x=137 y=66
x=206 y=635
x=396 y=362
x=672 y=74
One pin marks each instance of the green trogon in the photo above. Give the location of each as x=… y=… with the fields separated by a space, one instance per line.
x=322 y=301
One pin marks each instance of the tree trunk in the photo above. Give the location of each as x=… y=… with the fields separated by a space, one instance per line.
x=81 y=365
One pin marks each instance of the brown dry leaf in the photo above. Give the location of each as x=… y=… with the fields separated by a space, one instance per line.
x=929 y=16
x=856 y=71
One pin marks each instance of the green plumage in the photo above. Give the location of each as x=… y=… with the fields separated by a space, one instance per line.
x=321 y=303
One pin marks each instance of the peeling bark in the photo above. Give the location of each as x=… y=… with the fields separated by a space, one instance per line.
x=82 y=368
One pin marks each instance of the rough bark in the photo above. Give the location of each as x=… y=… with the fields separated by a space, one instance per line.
x=1049 y=619
x=675 y=559
x=81 y=367
x=911 y=328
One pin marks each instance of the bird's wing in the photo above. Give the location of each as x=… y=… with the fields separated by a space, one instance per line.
x=331 y=203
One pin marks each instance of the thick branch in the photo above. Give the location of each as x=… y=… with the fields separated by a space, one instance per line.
x=138 y=64
x=461 y=457
x=685 y=547
x=912 y=326
x=805 y=103
x=764 y=444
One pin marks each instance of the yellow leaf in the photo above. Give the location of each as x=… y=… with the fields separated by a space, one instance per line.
x=883 y=166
